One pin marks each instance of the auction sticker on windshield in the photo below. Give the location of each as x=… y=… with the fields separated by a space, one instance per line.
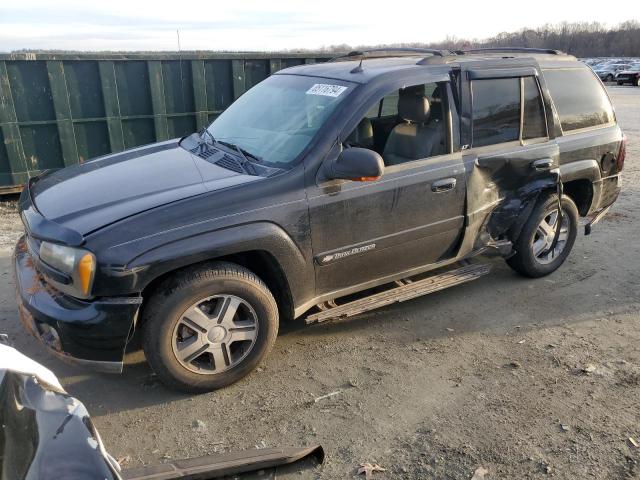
x=326 y=89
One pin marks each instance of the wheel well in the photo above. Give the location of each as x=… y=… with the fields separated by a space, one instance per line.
x=581 y=192
x=260 y=262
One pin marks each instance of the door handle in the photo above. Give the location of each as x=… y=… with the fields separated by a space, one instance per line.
x=542 y=164
x=443 y=185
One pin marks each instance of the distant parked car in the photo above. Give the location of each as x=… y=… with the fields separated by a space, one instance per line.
x=607 y=73
x=630 y=75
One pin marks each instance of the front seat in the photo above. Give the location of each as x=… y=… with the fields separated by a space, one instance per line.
x=416 y=137
x=362 y=135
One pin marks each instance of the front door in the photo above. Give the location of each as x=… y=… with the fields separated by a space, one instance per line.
x=366 y=232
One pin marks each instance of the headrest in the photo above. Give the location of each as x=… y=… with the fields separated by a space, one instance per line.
x=413 y=106
x=362 y=135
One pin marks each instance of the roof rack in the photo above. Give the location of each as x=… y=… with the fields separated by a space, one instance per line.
x=363 y=53
x=510 y=50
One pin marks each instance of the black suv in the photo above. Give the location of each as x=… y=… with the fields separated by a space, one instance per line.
x=322 y=192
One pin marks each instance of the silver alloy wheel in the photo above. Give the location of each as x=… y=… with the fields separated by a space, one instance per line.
x=545 y=233
x=215 y=334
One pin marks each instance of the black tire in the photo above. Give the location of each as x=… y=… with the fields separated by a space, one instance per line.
x=174 y=296
x=608 y=78
x=525 y=261
x=620 y=82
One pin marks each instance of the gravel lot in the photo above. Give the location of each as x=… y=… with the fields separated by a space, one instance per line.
x=526 y=378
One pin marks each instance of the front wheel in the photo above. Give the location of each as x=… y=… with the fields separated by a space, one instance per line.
x=208 y=327
x=620 y=82
x=608 y=78
x=534 y=256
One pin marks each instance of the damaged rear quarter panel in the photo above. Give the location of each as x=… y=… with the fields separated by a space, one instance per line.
x=503 y=186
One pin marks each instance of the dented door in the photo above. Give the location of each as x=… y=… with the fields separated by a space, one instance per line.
x=506 y=172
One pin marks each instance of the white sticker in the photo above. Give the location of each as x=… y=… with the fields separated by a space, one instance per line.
x=326 y=90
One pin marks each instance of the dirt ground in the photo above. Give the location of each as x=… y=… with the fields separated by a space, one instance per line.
x=526 y=378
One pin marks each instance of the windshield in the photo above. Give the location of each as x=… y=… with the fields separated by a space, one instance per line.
x=277 y=118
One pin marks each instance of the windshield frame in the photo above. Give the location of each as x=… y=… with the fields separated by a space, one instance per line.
x=328 y=121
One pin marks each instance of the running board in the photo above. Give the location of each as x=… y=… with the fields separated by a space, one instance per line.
x=406 y=290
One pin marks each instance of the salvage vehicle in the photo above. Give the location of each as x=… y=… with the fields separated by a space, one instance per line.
x=607 y=73
x=630 y=75
x=46 y=433
x=324 y=191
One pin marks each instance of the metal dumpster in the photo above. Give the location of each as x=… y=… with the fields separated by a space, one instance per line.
x=60 y=109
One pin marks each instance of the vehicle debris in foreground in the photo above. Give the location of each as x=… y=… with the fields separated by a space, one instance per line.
x=47 y=433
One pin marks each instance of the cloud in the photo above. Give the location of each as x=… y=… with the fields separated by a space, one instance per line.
x=273 y=25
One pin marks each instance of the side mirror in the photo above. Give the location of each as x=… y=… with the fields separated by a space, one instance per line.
x=358 y=164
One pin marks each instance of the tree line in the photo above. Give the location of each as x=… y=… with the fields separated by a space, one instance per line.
x=582 y=39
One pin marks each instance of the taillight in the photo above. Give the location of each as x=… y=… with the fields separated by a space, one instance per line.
x=621 y=154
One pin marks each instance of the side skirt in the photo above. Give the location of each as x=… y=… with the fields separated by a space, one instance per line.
x=405 y=289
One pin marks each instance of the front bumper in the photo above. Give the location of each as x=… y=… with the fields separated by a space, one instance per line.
x=93 y=333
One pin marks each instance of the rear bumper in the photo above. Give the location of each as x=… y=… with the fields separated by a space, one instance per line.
x=93 y=333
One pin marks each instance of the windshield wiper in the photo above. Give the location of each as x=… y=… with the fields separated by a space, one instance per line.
x=246 y=163
x=244 y=153
x=206 y=131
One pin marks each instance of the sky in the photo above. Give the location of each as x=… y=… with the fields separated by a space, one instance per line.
x=271 y=25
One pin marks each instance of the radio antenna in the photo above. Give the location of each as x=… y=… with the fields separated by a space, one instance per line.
x=181 y=72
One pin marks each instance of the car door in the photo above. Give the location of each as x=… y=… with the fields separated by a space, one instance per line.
x=508 y=146
x=364 y=233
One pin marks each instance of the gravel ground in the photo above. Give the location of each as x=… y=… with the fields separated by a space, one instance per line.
x=526 y=378
x=10 y=224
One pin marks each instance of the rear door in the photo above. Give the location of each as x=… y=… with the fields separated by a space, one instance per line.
x=508 y=150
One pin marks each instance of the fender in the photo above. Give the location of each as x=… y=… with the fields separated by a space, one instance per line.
x=580 y=170
x=254 y=236
x=512 y=213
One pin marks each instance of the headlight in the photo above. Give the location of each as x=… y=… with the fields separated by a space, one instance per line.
x=79 y=264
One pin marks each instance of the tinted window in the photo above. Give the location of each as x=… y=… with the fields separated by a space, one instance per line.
x=390 y=104
x=579 y=98
x=390 y=101
x=496 y=111
x=373 y=111
x=534 y=125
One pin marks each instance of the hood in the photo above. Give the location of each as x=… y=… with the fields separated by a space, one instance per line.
x=99 y=192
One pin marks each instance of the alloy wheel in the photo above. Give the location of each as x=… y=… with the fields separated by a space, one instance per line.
x=215 y=334
x=545 y=234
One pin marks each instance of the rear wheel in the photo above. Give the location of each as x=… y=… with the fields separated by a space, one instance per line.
x=534 y=256
x=209 y=327
x=620 y=82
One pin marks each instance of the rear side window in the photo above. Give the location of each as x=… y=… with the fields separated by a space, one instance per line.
x=496 y=111
x=579 y=98
x=534 y=124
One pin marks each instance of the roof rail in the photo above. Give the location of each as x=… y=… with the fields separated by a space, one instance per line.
x=363 y=53
x=509 y=50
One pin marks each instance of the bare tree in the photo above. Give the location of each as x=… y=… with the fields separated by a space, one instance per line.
x=583 y=39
